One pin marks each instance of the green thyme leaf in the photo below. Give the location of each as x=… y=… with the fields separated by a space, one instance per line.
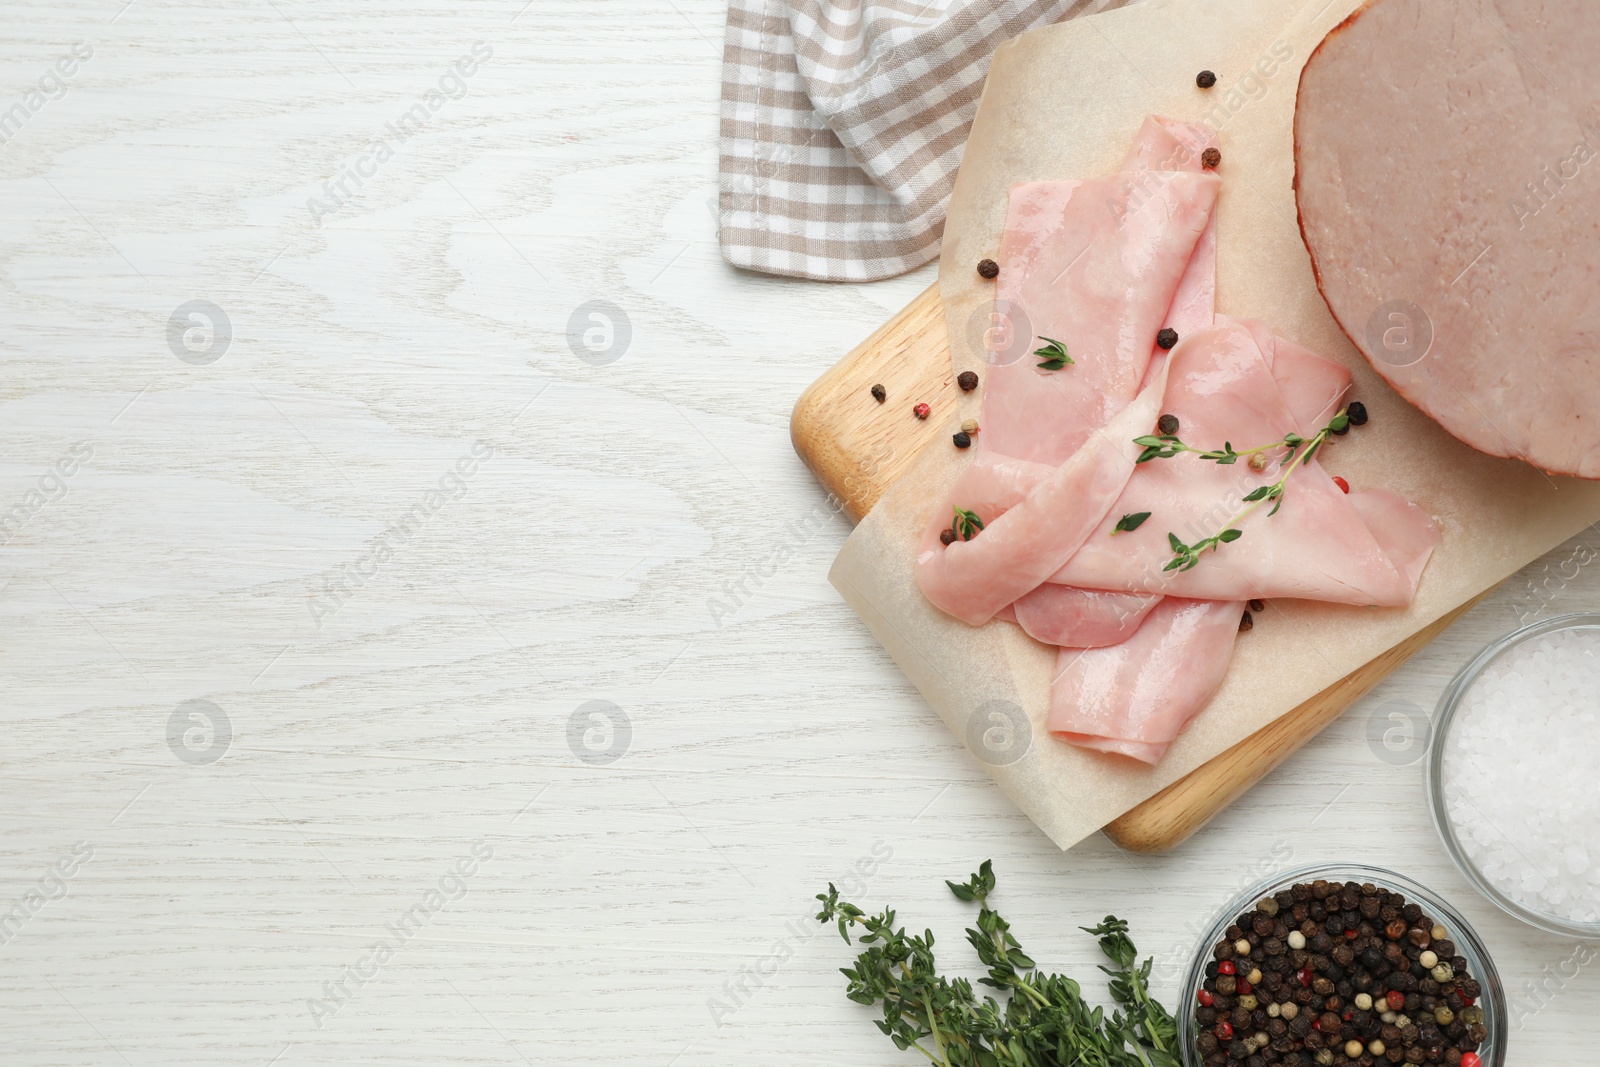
x=1054 y=353
x=1130 y=522
x=966 y=524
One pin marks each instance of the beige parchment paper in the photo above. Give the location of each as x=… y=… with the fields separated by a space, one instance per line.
x=1064 y=102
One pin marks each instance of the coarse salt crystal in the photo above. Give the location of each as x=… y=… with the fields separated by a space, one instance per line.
x=1518 y=771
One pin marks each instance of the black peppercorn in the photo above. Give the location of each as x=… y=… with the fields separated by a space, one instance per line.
x=947 y=536
x=988 y=268
x=968 y=380
x=879 y=394
x=961 y=439
x=1167 y=425
x=1205 y=79
x=1210 y=158
x=1166 y=338
x=1246 y=622
x=1357 y=411
x=1257 y=605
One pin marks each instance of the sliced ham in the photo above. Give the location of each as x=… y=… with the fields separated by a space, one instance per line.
x=1018 y=550
x=1101 y=266
x=1080 y=618
x=1447 y=173
x=1319 y=545
x=1095 y=265
x=1134 y=698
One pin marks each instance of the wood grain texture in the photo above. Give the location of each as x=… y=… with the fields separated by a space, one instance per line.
x=771 y=745
x=858 y=447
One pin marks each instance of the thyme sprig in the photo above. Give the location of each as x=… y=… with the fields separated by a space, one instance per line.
x=1044 y=1021
x=1054 y=353
x=1185 y=557
x=966 y=524
x=1165 y=446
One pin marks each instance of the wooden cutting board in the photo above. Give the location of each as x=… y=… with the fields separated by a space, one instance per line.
x=857 y=448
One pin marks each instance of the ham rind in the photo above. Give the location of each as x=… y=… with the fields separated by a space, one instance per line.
x=1134 y=698
x=1016 y=552
x=1318 y=546
x=1080 y=618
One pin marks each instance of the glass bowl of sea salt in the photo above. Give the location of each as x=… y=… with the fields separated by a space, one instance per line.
x=1512 y=773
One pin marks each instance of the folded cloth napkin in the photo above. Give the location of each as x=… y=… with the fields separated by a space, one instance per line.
x=843 y=122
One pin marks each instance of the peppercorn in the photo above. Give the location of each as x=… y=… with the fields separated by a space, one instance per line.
x=1167 y=425
x=962 y=439
x=921 y=411
x=879 y=394
x=1205 y=79
x=1420 y=937
x=968 y=380
x=1395 y=931
x=1210 y=158
x=1357 y=414
x=1167 y=337
x=947 y=536
x=1247 y=622
x=969 y=425
x=988 y=268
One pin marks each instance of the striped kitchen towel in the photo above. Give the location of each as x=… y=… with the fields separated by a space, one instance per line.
x=843 y=123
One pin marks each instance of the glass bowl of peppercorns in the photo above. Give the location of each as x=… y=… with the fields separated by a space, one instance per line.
x=1339 y=965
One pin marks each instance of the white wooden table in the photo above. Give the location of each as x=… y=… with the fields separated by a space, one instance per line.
x=369 y=508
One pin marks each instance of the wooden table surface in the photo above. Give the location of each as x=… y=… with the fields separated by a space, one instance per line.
x=410 y=667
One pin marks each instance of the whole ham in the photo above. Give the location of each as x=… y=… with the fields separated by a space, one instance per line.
x=1447 y=172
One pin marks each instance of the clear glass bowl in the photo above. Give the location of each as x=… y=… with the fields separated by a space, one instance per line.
x=1492 y=1001
x=1449 y=703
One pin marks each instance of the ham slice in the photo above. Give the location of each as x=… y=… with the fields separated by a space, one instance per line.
x=1080 y=618
x=1095 y=265
x=1134 y=698
x=1017 y=551
x=1320 y=545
